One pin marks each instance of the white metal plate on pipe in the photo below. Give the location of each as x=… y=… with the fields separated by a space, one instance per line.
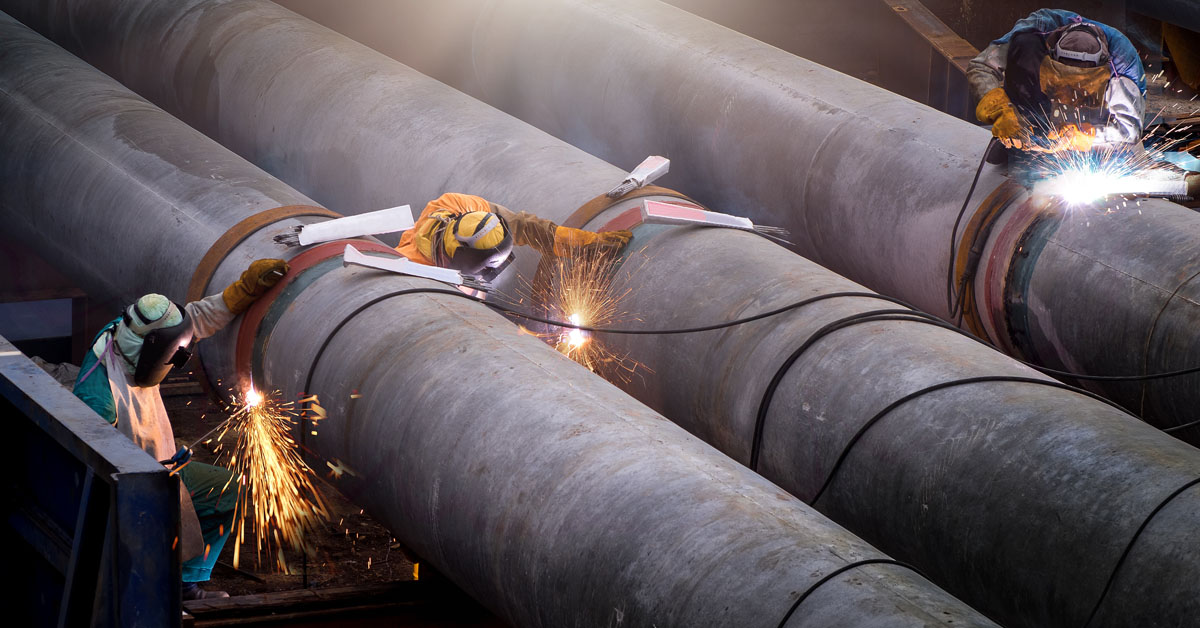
x=371 y=223
x=353 y=256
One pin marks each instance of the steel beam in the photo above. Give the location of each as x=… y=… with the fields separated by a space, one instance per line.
x=540 y=489
x=973 y=482
x=868 y=182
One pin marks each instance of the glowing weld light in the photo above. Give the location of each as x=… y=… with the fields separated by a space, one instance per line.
x=1080 y=186
x=582 y=290
x=575 y=338
x=1083 y=178
x=253 y=397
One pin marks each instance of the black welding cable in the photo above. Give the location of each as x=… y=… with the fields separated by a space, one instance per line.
x=692 y=330
x=775 y=312
x=857 y=319
x=839 y=571
x=954 y=305
x=837 y=465
x=1129 y=547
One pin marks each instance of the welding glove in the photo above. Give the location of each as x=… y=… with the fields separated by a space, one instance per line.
x=992 y=105
x=1193 y=184
x=1071 y=137
x=568 y=241
x=261 y=276
x=996 y=109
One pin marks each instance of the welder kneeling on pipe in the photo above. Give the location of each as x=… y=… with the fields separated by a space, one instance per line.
x=119 y=379
x=476 y=237
x=1058 y=82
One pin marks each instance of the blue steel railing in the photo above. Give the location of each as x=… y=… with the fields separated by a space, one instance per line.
x=93 y=518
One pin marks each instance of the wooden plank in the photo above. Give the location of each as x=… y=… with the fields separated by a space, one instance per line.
x=956 y=50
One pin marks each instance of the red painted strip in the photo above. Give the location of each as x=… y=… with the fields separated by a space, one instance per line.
x=252 y=318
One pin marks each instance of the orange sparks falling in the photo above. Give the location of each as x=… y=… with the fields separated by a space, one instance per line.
x=582 y=291
x=275 y=493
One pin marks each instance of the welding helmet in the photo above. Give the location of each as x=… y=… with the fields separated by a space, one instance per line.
x=1079 y=44
x=1075 y=75
x=476 y=243
x=153 y=337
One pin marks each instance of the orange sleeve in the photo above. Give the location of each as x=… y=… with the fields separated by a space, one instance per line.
x=452 y=202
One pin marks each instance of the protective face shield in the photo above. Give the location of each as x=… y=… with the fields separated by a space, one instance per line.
x=479 y=244
x=1075 y=75
x=164 y=330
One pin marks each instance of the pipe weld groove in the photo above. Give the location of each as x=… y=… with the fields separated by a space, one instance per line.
x=965 y=260
x=839 y=571
x=1128 y=548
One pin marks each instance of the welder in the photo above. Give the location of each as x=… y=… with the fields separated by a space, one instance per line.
x=1059 y=82
x=119 y=379
x=475 y=236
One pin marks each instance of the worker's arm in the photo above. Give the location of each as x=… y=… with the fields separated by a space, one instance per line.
x=1126 y=107
x=528 y=230
x=209 y=315
x=553 y=240
x=986 y=71
x=212 y=313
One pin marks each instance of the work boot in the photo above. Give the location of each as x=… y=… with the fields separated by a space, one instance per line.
x=192 y=591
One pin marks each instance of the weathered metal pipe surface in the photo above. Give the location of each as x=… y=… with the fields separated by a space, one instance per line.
x=542 y=490
x=868 y=182
x=1018 y=495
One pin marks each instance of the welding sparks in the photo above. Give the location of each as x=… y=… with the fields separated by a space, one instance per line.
x=275 y=493
x=1085 y=178
x=1067 y=158
x=582 y=291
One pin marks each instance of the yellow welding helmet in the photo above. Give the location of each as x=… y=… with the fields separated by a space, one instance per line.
x=475 y=242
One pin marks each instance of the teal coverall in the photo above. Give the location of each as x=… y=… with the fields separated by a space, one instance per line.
x=203 y=481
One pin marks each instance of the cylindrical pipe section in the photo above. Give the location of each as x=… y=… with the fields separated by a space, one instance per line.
x=539 y=488
x=1017 y=551
x=869 y=183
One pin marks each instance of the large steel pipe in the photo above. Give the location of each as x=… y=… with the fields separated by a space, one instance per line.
x=868 y=182
x=542 y=490
x=1019 y=495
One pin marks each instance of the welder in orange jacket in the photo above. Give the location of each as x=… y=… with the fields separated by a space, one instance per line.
x=476 y=237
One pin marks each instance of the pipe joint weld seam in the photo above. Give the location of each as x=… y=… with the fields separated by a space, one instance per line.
x=228 y=241
x=589 y=210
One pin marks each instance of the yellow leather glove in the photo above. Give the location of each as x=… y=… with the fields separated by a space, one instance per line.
x=992 y=105
x=568 y=241
x=996 y=109
x=1072 y=137
x=261 y=276
x=1008 y=128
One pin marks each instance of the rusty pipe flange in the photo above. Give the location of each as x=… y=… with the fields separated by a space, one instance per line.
x=589 y=211
x=228 y=241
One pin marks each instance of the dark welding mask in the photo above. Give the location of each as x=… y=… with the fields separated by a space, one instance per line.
x=164 y=346
x=478 y=244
